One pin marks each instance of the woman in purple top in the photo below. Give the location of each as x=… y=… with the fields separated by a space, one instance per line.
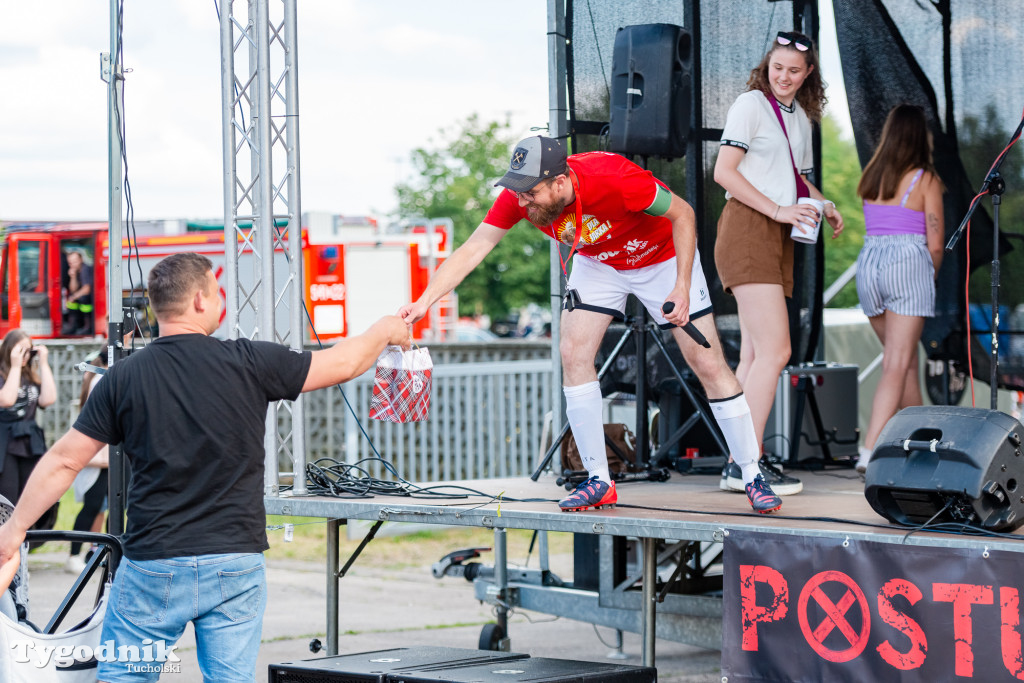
x=902 y=252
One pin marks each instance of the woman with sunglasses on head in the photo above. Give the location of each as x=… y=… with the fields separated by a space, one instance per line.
x=763 y=162
x=897 y=267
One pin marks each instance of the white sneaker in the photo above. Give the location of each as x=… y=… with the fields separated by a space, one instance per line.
x=74 y=565
x=863 y=459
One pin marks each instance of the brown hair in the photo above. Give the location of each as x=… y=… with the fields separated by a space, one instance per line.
x=12 y=339
x=811 y=94
x=173 y=281
x=99 y=360
x=904 y=146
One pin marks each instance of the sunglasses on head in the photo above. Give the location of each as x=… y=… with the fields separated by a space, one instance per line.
x=799 y=42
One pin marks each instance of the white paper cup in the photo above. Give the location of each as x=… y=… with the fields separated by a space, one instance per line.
x=811 y=236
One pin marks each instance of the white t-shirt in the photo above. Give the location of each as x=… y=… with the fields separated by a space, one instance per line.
x=751 y=125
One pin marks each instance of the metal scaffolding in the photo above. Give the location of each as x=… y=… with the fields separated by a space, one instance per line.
x=262 y=211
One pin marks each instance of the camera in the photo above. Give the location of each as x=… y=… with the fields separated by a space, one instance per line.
x=33 y=352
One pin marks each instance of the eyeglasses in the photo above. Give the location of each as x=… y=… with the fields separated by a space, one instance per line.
x=796 y=40
x=529 y=195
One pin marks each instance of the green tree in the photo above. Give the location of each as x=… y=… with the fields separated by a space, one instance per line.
x=840 y=175
x=455 y=178
x=982 y=139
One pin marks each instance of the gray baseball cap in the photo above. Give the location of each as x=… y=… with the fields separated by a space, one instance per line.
x=533 y=160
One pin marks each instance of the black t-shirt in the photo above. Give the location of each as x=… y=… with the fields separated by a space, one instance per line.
x=85 y=278
x=191 y=413
x=23 y=410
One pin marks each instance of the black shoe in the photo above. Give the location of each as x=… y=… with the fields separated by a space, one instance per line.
x=732 y=478
x=782 y=484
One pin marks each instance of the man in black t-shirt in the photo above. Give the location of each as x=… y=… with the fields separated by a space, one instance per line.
x=190 y=411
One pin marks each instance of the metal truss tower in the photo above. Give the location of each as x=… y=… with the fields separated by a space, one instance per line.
x=262 y=211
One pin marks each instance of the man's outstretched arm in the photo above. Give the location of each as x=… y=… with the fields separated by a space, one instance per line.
x=454 y=270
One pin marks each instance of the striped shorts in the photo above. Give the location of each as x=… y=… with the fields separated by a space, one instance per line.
x=895 y=273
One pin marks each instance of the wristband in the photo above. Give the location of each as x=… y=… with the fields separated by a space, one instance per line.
x=776 y=216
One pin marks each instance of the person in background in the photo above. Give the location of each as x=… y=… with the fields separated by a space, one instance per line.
x=897 y=267
x=765 y=157
x=27 y=385
x=190 y=411
x=630 y=235
x=91 y=483
x=79 y=297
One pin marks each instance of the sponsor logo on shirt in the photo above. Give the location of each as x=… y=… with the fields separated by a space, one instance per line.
x=593 y=230
x=638 y=258
x=606 y=255
x=633 y=246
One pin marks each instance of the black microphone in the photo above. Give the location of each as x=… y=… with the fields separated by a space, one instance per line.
x=689 y=328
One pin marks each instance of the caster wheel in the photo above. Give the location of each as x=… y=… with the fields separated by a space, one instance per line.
x=491 y=636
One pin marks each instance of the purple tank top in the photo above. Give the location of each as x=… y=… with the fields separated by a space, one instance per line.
x=884 y=219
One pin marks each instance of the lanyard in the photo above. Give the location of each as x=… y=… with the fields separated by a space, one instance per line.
x=801 y=186
x=579 y=227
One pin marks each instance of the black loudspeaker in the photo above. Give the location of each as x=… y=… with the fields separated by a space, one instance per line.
x=621 y=376
x=949 y=464
x=650 y=107
x=674 y=408
x=379 y=666
x=534 y=670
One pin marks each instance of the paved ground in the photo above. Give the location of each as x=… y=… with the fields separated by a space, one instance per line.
x=398 y=609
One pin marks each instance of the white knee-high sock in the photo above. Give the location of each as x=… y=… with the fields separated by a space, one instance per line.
x=583 y=410
x=733 y=416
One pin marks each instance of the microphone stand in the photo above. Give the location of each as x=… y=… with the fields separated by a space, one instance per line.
x=994 y=185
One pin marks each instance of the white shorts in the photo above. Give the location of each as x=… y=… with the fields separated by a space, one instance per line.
x=603 y=289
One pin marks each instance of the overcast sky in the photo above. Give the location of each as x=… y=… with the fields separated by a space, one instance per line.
x=376 y=80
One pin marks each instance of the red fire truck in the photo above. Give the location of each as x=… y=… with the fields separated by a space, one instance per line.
x=347 y=283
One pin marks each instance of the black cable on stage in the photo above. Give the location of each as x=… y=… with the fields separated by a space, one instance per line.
x=328 y=477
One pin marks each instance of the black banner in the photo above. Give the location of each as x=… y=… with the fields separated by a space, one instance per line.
x=820 y=609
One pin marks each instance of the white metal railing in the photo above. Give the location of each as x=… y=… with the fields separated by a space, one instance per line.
x=486 y=420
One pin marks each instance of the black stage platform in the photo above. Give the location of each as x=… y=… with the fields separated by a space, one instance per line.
x=689 y=508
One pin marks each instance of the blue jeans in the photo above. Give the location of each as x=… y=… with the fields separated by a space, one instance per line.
x=151 y=601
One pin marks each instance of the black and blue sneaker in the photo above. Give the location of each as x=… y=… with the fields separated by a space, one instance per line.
x=761 y=497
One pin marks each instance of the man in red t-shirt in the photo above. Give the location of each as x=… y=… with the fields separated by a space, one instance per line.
x=637 y=238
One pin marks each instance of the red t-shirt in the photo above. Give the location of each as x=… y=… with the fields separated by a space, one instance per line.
x=614 y=193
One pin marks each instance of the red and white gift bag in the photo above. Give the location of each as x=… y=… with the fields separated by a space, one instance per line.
x=401 y=385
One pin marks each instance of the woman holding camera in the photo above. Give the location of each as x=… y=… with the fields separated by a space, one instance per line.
x=764 y=158
x=27 y=384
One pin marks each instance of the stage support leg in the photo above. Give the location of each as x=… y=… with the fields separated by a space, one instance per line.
x=333 y=559
x=542 y=544
x=501 y=579
x=649 y=595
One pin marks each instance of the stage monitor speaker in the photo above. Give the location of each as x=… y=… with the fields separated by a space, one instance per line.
x=949 y=464
x=650 y=98
x=378 y=666
x=534 y=670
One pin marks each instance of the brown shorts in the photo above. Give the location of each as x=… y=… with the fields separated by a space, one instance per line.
x=751 y=247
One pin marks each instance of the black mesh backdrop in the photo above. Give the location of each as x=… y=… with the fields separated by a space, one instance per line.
x=962 y=61
x=733 y=36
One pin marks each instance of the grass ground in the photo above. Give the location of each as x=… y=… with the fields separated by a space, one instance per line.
x=417 y=549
